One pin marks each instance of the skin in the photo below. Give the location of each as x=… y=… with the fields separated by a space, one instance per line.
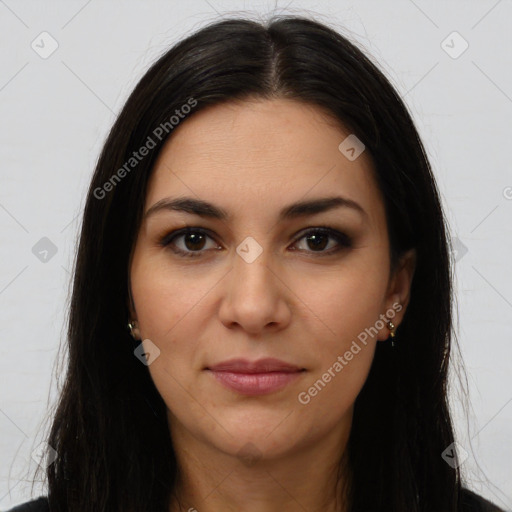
x=253 y=158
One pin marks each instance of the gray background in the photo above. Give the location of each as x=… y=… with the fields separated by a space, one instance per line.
x=55 y=113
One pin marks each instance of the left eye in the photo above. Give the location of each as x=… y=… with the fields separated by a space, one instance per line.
x=194 y=241
x=316 y=238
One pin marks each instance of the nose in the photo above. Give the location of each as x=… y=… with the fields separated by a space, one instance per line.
x=255 y=298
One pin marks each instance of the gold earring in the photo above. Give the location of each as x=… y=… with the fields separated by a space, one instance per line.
x=131 y=326
x=392 y=328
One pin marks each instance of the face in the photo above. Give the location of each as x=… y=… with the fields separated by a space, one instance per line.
x=260 y=283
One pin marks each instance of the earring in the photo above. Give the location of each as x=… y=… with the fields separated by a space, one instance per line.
x=132 y=326
x=392 y=328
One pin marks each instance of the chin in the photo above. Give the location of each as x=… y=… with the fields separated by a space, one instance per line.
x=257 y=441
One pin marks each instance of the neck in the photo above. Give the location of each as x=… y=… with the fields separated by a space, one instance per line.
x=315 y=478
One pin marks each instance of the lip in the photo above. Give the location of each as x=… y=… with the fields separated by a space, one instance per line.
x=265 y=365
x=255 y=378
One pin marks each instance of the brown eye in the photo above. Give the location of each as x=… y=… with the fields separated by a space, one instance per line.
x=318 y=239
x=193 y=242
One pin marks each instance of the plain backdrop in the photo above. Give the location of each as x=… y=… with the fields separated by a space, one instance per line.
x=55 y=113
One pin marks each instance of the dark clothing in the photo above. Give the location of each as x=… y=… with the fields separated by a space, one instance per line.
x=471 y=502
x=39 y=505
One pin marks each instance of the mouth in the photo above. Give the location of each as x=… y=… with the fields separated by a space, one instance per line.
x=255 y=378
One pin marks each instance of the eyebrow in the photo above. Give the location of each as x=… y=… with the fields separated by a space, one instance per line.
x=295 y=210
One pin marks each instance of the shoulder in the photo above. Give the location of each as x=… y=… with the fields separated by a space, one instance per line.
x=472 y=502
x=37 y=505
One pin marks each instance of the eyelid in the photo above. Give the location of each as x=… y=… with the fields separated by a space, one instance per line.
x=170 y=236
x=325 y=230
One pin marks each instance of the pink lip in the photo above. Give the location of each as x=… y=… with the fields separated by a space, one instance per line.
x=255 y=378
x=266 y=365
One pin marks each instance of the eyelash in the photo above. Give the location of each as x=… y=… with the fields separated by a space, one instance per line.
x=343 y=240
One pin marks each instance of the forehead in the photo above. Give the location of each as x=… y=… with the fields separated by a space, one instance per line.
x=256 y=154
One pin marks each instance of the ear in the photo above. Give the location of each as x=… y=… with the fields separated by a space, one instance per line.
x=399 y=291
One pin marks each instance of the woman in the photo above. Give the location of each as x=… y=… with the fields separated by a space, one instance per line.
x=264 y=220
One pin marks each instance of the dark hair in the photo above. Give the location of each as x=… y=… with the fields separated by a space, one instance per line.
x=110 y=429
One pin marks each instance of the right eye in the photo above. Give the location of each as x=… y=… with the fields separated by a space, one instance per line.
x=193 y=241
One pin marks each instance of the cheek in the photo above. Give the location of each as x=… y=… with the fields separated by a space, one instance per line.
x=343 y=357
x=164 y=298
x=347 y=300
x=168 y=315
x=331 y=392
x=347 y=306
